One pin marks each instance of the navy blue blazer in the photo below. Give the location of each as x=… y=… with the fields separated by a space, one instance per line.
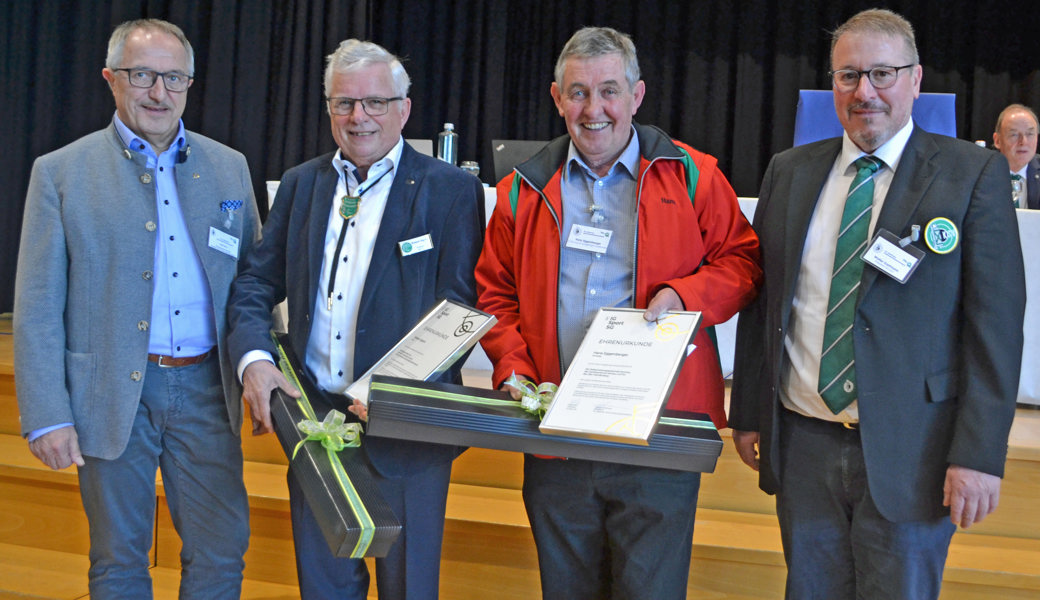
x=427 y=196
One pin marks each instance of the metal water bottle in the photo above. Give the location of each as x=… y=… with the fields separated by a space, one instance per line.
x=448 y=144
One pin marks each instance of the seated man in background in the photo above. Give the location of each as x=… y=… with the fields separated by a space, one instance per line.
x=1015 y=137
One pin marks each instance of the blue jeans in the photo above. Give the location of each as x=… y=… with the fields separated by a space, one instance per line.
x=604 y=530
x=181 y=427
x=836 y=543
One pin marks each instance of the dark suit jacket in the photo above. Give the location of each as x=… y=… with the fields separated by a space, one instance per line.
x=937 y=358
x=427 y=196
x=1033 y=184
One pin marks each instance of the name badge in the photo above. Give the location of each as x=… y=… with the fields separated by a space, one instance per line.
x=590 y=239
x=223 y=242
x=416 y=245
x=889 y=255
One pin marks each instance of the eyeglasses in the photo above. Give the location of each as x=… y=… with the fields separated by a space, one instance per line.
x=846 y=80
x=175 y=81
x=373 y=106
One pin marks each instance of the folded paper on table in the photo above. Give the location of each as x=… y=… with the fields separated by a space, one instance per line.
x=338 y=486
x=445 y=413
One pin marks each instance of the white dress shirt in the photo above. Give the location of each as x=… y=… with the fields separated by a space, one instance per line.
x=330 y=348
x=799 y=384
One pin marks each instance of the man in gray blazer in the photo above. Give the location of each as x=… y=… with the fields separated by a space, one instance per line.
x=1015 y=137
x=130 y=242
x=876 y=403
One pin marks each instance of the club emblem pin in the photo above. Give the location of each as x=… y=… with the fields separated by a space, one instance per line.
x=941 y=236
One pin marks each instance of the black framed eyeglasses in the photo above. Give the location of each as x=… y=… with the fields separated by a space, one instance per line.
x=175 y=81
x=373 y=106
x=846 y=80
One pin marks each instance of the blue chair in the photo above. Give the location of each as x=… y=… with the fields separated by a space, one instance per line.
x=815 y=118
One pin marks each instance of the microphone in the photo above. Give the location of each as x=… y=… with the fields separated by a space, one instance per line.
x=183 y=154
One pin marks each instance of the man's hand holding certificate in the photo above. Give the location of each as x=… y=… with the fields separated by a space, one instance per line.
x=621 y=376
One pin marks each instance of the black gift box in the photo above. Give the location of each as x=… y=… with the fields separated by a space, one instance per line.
x=338 y=486
x=445 y=413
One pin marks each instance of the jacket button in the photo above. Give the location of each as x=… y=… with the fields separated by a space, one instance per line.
x=147 y=275
x=150 y=225
x=142 y=325
x=146 y=178
x=135 y=376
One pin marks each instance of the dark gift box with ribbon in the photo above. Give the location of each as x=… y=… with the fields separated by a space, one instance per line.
x=444 y=413
x=335 y=477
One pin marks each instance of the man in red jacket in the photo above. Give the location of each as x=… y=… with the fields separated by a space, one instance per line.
x=677 y=241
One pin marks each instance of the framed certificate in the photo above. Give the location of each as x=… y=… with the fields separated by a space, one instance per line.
x=431 y=347
x=622 y=375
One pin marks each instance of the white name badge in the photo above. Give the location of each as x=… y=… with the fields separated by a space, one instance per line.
x=223 y=242
x=888 y=255
x=416 y=245
x=590 y=239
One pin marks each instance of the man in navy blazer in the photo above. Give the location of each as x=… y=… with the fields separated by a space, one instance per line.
x=1015 y=137
x=869 y=493
x=132 y=236
x=334 y=245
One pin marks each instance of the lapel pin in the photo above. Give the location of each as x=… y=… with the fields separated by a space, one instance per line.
x=940 y=235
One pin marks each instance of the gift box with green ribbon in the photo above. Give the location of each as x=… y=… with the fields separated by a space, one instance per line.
x=444 y=413
x=325 y=456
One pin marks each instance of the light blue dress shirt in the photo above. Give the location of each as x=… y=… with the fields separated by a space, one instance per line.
x=593 y=280
x=182 y=308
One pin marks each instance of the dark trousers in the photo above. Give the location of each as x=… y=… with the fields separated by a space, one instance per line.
x=836 y=543
x=411 y=570
x=605 y=530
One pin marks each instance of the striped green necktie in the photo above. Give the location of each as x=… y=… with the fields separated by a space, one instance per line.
x=837 y=363
x=1016 y=190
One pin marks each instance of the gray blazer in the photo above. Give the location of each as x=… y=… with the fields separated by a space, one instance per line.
x=937 y=358
x=83 y=289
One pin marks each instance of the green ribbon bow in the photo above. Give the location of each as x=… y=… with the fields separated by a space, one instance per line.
x=334 y=432
x=534 y=399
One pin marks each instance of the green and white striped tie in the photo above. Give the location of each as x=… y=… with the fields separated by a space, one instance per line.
x=837 y=363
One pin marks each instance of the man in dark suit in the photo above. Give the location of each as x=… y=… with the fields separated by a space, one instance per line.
x=335 y=247
x=881 y=433
x=1015 y=136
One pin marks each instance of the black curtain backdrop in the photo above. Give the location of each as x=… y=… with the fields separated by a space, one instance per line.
x=721 y=75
